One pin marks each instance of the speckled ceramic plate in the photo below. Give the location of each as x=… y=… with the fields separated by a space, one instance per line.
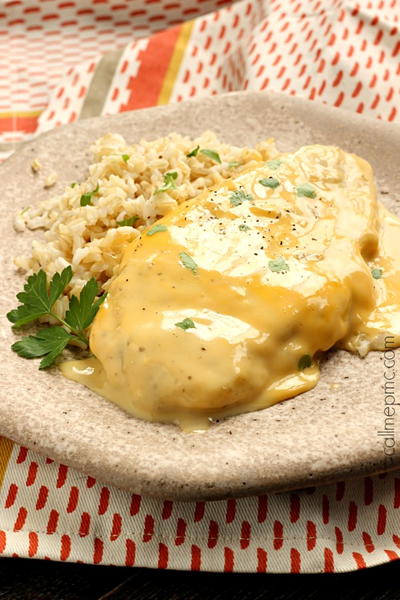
x=329 y=433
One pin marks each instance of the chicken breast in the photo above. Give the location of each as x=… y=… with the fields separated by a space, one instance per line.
x=224 y=305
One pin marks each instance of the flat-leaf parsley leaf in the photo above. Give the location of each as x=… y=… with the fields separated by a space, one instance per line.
x=37 y=298
x=49 y=343
x=83 y=310
x=58 y=284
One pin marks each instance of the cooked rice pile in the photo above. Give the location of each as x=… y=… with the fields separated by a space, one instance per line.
x=89 y=238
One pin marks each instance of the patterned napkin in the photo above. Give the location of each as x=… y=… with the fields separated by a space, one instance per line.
x=334 y=51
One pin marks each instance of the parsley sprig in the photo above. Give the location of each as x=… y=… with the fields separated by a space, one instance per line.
x=37 y=300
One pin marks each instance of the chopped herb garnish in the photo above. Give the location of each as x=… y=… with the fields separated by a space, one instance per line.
x=185 y=324
x=73 y=184
x=244 y=227
x=306 y=189
x=188 y=262
x=156 y=229
x=125 y=157
x=234 y=163
x=128 y=222
x=193 y=152
x=269 y=182
x=305 y=362
x=278 y=265
x=169 y=182
x=37 y=300
x=274 y=164
x=239 y=196
x=87 y=198
x=376 y=273
x=211 y=154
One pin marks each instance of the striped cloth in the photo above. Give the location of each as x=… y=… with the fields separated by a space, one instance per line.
x=96 y=57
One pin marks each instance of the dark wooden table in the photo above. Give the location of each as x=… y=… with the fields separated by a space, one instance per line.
x=43 y=580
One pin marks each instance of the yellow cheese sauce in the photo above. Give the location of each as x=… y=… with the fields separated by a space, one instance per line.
x=227 y=306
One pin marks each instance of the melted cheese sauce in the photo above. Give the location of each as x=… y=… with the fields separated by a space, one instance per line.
x=279 y=273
